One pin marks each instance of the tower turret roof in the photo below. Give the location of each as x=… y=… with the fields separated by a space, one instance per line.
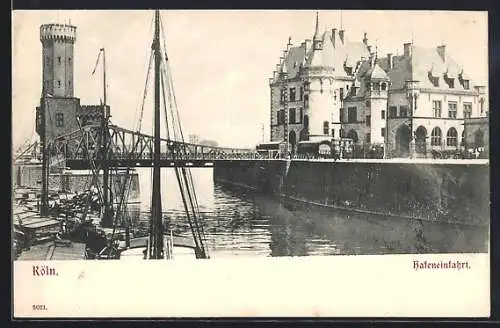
x=377 y=73
x=316 y=36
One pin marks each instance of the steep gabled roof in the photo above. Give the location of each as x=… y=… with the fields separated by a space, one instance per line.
x=420 y=66
x=293 y=61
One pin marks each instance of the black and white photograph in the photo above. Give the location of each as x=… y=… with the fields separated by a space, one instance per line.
x=249 y=135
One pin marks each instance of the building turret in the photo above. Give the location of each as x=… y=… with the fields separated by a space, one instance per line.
x=57 y=48
x=317 y=39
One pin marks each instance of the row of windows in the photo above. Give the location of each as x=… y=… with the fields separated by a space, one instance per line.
x=292 y=116
x=404 y=111
x=292 y=95
x=59 y=60
x=436 y=136
x=452 y=109
x=59 y=83
x=451 y=137
x=449 y=81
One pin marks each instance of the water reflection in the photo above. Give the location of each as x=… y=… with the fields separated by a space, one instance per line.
x=241 y=223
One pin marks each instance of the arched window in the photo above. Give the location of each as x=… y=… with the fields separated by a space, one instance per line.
x=384 y=86
x=451 y=137
x=436 y=137
x=326 y=127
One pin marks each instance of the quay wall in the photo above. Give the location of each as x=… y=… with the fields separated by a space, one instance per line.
x=448 y=192
x=74 y=182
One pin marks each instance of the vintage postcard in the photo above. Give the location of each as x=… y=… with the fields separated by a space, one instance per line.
x=250 y=163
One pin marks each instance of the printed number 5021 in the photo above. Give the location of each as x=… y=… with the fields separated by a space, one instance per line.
x=39 y=307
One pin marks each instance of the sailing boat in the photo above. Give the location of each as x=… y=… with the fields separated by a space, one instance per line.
x=162 y=244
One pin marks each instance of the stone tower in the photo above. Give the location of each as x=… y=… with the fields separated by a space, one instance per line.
x=57 y=113
x=58 y=42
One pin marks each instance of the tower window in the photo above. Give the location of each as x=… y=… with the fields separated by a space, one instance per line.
x=69 y=60
x=292 y=94
x=393 y=111
x=292 y=116
x=368 y=120
x=59 y=120
x=352 y=115
x=382 y=114
x=58 y=83
x=59 y=59
x=403 y=111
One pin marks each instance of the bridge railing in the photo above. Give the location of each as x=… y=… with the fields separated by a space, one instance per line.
x=172 y=156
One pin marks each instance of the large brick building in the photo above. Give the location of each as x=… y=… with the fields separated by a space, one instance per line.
x=410 y=103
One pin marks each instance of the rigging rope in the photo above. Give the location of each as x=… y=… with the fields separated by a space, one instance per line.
x=141 y=104
x=186 y=184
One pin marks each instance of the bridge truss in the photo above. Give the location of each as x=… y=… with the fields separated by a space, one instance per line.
x=127 y=148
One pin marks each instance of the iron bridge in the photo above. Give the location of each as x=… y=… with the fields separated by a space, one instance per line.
x=120 y=147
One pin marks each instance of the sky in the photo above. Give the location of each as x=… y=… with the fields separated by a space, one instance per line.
x=220 y=60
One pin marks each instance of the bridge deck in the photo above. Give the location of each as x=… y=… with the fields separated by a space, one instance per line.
x=82 y=164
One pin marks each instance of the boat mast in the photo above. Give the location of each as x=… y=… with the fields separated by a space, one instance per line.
x=108 y=215
x=156 y=235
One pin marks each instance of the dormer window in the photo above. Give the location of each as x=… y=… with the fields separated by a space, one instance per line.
x=434 y=80
x=466 y=84
x=449 y=81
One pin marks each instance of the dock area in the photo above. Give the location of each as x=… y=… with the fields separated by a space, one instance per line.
x=51 y=251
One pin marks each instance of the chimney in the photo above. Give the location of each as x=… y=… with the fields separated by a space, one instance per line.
x=442 y=51
x=334 y=36
x=341 y=35
x=390 y=61
x=365 y=39
x=407 y=49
